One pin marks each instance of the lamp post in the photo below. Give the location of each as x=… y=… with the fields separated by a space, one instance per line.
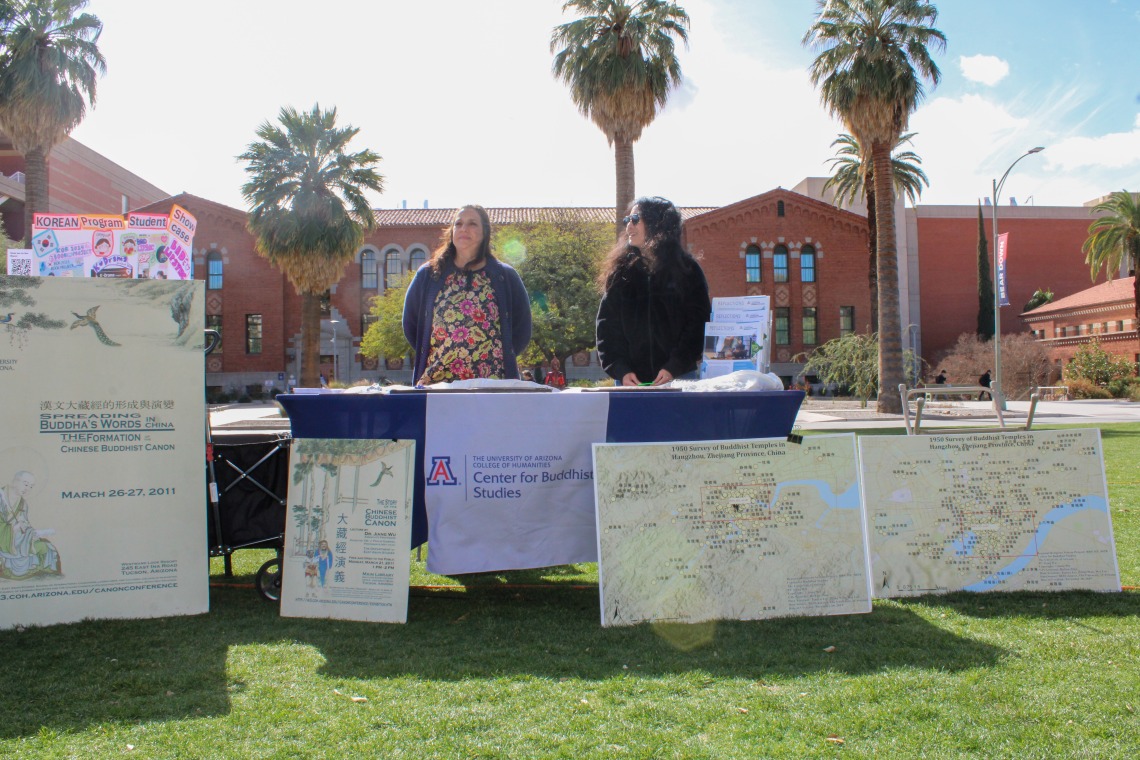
x=336 y=374
x=996 y=392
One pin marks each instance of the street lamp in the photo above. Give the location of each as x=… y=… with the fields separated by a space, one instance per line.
x=336 y=374
x=996 y=392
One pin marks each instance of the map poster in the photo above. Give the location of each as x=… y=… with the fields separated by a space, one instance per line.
x=348 y=530
x=730 y=530
x=988 y=512
x=102 y=486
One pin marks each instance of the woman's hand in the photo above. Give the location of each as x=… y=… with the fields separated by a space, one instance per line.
x=664 y=376
x=630 y=379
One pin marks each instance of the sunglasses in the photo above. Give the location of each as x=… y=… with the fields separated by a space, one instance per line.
x=631 y=219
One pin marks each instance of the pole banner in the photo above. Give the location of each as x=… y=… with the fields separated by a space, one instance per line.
x=1002 y=249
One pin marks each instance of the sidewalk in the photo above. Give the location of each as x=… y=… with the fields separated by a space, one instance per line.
x=815 y=414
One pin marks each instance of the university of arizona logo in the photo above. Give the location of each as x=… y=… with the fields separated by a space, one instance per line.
x=440 y=473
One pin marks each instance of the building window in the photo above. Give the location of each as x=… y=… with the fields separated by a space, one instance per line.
x=214 y=322
x=809 y=326
x=326 y=303
x=214 y=271
x=366 y=321
x=1120 y=326
x=807 y=264
x=417 y=259
x=752 y=264
x=253 y=333
x=368 y=274
x=783 y=320
x=780 y=264
x=393 y=268
x=779 y=208
x=846 y=320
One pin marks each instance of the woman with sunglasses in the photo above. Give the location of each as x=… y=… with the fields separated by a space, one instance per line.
x=466 y=314
x=655 y=300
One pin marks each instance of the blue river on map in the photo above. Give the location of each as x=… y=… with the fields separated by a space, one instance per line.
x=964 y=547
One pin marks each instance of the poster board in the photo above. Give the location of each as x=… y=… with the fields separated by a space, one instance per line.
x=102 y=492
x=348 y=528
x=729 y=530
x=988 y=512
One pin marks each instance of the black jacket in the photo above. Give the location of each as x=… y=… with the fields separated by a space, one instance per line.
x=646 y=323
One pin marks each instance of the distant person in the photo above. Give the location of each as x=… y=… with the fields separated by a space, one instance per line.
x=655 y=300
x=466 y=314
x=984 y=381
x=941 y=378
x=324 y=381
x=539 y=374
x=528 y=375
x=555 y=378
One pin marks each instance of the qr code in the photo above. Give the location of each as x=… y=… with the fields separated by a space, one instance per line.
x=21 y=267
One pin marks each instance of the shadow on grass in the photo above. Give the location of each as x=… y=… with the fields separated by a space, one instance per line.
x=1063 y=605
x=74 y=676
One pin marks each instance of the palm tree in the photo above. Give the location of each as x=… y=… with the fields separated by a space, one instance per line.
x=1115 y=238
x=48 y=69
x=853 y=179
x=866 y=74
x=619 y=62
x=308 y=213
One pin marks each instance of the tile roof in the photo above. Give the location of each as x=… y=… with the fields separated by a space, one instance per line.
x=440 y=217
x=1120 y=289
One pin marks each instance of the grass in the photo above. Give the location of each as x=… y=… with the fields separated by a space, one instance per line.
x=516 y=665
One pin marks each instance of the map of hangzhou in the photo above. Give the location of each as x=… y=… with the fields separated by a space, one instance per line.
x=729 y=530
x=988 y=512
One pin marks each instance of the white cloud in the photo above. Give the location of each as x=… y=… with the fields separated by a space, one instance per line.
x=1115 y=150
x=985 y=69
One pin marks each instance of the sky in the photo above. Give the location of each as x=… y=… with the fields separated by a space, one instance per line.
x=458 y=99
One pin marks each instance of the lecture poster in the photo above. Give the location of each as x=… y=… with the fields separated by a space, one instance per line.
x=348 y=529
x=102 y=487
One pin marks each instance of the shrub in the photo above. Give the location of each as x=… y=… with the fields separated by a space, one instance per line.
x=1134 y=393
x=1024 y=363
x=1093 y=363
x=1121 y=387
x=1086 y=389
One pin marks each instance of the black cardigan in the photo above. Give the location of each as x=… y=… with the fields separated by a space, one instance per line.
x=647 y=323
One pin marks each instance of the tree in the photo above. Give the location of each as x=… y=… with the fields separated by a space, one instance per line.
x=853 y=362
x=308 y=211
x=48 y=69
x=385 y=336
x=1040 y=297
x=867 y=77
x=1094 y=364
x=985 y=283
x=620 y=64
x=1115 y=238
x=558 y=261
x=853 y=179
x=1025 y=362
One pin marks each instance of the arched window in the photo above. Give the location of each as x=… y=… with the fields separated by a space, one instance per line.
x=779 y=208
x=752 y=264
x=214 y=271
x=780 y=264
x=807 y=264
x=368 y=272
x=417 y=259
x=393 y=268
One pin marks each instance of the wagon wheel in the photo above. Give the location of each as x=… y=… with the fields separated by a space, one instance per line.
x=268 y=580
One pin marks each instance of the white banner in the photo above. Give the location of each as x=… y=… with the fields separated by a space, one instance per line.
x=509 y=479
x=102 y=485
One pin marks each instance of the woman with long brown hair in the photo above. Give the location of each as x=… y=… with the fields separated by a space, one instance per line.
x=466 y=314
x=655 y=300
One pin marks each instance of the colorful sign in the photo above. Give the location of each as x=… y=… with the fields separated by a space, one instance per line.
x=1001 y=253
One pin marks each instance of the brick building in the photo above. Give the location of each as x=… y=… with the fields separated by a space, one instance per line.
x=80 y=181
x=1105 y=311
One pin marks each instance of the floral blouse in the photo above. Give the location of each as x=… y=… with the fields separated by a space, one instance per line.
x=465 y=334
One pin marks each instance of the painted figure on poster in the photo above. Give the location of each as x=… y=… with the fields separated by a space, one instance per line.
x=324 y=560
x=24 y=552
x=311 y=573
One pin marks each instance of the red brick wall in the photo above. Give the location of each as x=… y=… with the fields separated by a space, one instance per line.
x=1043 y=253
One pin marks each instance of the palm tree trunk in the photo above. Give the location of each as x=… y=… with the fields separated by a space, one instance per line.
x=623 y=164
x=35 y=189
x=310 y=340
x=890 y=329
x=872 y=258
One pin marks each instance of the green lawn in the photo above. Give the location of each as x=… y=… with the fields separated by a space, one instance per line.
x=516 y=665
